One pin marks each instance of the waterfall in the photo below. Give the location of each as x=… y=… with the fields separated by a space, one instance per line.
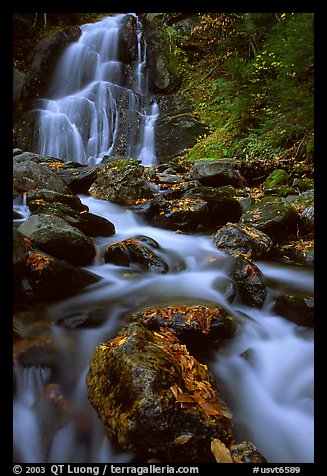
x=98 y=100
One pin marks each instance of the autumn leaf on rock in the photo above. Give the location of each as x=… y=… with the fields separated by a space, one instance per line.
x=182 y=439
x=220 y=451
x=38 y=261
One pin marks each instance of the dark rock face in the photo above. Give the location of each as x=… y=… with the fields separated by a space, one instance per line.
x=249 y=281
x=189 y=214
x=35 y=83
x=38 y=276
x=145 y=393
x=46 y=54
x=236 y=238
x=174 y=134
x=297 y=309
x=130 y=252
x=217 y=173
x=221 y=202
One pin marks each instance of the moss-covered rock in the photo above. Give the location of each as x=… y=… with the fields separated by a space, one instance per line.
x=272 y=216
x=122 y=181
x=275 y=179
x=155 y=399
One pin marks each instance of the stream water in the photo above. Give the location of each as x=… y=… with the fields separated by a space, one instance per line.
x=265 y=371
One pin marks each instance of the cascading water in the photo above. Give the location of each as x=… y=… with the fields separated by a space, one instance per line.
x=98 y=101
x=265 y=371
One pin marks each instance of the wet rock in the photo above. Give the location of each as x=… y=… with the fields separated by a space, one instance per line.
x=51 y=196
x=122 y=181
x=237 y=238
x=29 y=175
x=246 y=452
x=221 y=201
x=53 y=412
x=217 y=173
x=250 y=288
x=304 y=205
x=272 y=216
x=297 y=309
x=274 y=180
x=190 y=321
x=130 y=252
x=149 y=392
x=189 y=214
x=71 y=209
x=42 y=277
x=55 y=236
x=185 y=126
x=79 y=179
x=37 y=351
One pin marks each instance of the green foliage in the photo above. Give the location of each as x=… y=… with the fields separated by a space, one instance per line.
x=262 y=100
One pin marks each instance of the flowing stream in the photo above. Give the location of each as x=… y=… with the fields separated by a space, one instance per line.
x=265 y=371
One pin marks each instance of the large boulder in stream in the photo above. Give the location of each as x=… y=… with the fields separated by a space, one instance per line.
x=57 y=237
x=30 y=171
x=38 y=276
x=237 y=238
x=247 y=281
x=122 y=181
x=71 y=209
x=190 y=323
x=132 y=253
x=274 y=217
x=155 y=399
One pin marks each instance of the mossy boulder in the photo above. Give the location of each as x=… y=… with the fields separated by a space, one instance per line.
x=71 y=209
x=122 y=181
x=274 y=180
x=273 y=217
x=155 y=399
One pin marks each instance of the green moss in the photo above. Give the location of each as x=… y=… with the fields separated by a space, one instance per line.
x=276 y=178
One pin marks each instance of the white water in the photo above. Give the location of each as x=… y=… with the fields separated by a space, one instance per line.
x=265 y=371
x=94 y=106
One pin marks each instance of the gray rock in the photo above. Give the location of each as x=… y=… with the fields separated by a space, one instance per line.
x=122 y=181
x=29 y=175
x=237 y=238
x=217 y=173
x=55 y=236
x=273 y=217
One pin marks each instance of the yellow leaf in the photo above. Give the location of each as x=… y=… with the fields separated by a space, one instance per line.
x=220 y=452
x=181 y=440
